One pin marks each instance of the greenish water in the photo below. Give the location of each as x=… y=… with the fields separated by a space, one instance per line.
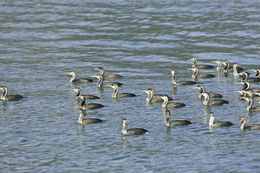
x=42 y=40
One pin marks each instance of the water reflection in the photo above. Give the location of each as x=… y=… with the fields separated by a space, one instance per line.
x=207 y=110
x=124 y=141
x=81 y=128
x=5 y=103
x=174 y=90
x=101 y=90
x=211 y=128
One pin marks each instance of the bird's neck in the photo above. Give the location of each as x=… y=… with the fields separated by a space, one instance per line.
x=115 y=92
x=195 y=73
x=194 y=63
x=249 y=104
x=167 y=120
x=246 y=87
x=206 y=100
x=235 y=73
x=226 y=68
x=211 y=120
x=124 y=130
x=174 y=79
x=165 y=102
x=100 y=81
x=149 y=97
x=73 y=77
x=78 y=93
x=257 y=75
x=243 y=125
x=219 y=66
x=83 y=103
x=102 y=72
x=80 y=118
x=4 y=94
x=244 y=77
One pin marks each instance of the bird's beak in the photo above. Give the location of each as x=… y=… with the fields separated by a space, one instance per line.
x=238 y=91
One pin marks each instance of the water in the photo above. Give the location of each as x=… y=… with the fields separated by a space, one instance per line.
x=141 y=40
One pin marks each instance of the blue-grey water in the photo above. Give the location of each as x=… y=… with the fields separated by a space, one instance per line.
x=42 y=40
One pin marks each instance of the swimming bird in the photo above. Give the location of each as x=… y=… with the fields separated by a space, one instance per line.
x=6 y=97
x=174 y=82
x=167 y=104
x=250 y=94
x=219 y=65
x=195 y=74
x=79 y=80
x=243 y=125
x=244 y=94
x=87 y=120
x=235 y=70
x=245 y=77
x=108 y=76
x=213 y=123
x=135 y=131
x=88 y=96
x=200 y=66
x=168 y=122
x=226 y=67
x=246 y=87
x=152 y=97
x=116 y=92
x=211 y=95
x=208 y=102
x=84 y=105
x=229 y=68
x=250 y=103
x=101 y=83
x=257 y=72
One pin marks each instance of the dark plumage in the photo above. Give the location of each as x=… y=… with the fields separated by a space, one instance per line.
x=174 y=82
x=250 y=107
x=213 y=123
x=208 y=102
x=116 y=92
x=6 y=97
x=219 y=65
x=88 y=96
x=84 y=105
x=108 y=76
x=152 y=97
x=87 y=120
x=166 y=103
x=243 y=125
x=230 y=68
x=101 y=83
x=79 y=80
x=168 y=122
x=245 y=78
x=135 y=131
x=246 y=87
x=211 y=95
x=200 y=66
x=195 y=74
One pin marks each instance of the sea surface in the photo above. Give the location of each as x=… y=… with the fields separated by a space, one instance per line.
x=142 y=40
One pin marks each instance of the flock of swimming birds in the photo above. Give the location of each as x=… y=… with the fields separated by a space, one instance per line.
x=247 y=93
